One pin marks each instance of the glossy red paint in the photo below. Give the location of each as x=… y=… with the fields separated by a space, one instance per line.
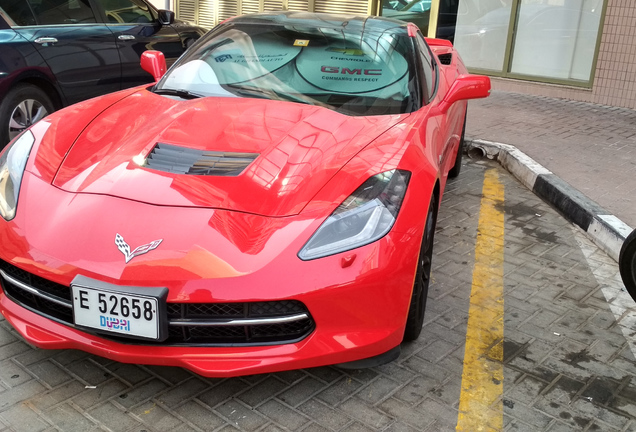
x=412 y=30
x=233 y=239
x=306 y=143
x=370 y=310
x=154 y=62
x=434 y=42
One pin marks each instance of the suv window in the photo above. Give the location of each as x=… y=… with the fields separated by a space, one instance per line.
x=52 y=12
x=127 y=11
x=19 y=12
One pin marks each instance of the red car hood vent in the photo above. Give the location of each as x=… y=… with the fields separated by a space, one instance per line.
x=182 y=160
x=250 y=155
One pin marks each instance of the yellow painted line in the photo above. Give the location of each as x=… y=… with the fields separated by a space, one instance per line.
x=480 y=402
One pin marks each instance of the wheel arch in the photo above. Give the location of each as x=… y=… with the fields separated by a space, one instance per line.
x=436 y=192
x=44 y=84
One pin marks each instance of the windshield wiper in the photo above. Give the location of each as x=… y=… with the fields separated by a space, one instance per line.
x=184 y=94
x=264 y=93
x=273 y=95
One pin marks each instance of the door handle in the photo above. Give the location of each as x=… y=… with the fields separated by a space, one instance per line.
x=45 y=40
x=126 y=37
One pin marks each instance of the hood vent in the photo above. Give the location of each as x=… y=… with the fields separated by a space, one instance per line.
x=182 y=160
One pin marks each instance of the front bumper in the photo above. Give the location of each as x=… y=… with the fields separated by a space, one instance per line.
x=358 y=299
x=353 y=321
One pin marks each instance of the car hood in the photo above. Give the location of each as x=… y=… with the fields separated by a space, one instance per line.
x=297 y=149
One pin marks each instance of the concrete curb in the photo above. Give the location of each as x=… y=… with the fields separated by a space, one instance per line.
x=606 y=230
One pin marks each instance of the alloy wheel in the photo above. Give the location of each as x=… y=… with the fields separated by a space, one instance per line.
x=25 y=114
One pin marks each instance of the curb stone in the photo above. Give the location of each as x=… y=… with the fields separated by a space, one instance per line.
x=606 y=230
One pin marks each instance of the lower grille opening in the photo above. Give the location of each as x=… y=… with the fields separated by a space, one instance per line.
x=189 y=324
x=195 y=321
x=36 y=303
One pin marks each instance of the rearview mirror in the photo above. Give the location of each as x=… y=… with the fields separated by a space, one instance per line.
x=154 y=63
x=466 y=87
x=166 y=17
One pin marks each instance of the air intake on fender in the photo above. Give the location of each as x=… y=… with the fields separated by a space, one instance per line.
x=183 y=160
x=445 y=59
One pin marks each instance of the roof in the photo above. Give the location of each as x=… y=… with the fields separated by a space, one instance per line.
x=349 y=23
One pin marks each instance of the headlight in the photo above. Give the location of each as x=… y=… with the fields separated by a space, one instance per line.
x=12 y=165
x=364 y=217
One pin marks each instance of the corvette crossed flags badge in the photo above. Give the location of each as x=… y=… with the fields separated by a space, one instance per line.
x=140 y=250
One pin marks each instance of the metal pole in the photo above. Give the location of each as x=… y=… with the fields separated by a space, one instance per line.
x=167 y=4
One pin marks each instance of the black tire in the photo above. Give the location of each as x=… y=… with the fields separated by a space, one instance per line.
x=627 y=264
x=415 y=318
x=24 y=105
x=457 y=167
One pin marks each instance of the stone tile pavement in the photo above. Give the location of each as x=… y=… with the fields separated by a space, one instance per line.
x=568 y=360
x=592 y=147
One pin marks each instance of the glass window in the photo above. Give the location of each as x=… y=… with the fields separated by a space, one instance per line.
x=556 y=39
x=552 y=40
x=428 y=66
x=352 y=71
x=52 y=12
x=447 y=19
x=127 y=11
x=416 y=11
x=19 y=12
x=482 y=32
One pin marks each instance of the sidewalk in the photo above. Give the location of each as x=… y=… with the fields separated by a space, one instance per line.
x=592 y=147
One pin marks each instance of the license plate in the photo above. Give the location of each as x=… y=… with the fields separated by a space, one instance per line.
x=114 y=310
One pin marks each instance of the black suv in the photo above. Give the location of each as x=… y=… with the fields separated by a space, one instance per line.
x=54 y=53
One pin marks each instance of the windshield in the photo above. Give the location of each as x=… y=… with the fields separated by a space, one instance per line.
x=354 y=72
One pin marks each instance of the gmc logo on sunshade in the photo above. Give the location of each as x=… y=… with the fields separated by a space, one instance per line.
x=345 y=71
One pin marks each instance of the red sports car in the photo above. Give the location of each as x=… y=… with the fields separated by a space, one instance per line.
x=268 y=204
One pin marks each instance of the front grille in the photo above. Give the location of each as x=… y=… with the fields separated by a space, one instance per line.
x=445 y=59
x=40 y=304
x=190 y=324
x=212 y=310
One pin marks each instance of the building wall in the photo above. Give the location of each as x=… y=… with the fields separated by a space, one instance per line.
x=614 y=78
x=615 y=75
x=208 y=13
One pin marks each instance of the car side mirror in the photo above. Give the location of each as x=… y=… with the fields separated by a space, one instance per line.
x=154 y=63
x=166 y=17
x=466 y=87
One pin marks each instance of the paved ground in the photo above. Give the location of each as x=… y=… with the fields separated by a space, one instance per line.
x=568 y=364
x=592 y=147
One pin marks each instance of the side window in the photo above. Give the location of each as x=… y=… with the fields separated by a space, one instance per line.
x=428 y=67
x=55 y=12
x=18 y=11
x=127 y=11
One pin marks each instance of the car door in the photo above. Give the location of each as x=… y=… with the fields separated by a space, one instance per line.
x=81 y=52
x=435 y=130
x=137 y=29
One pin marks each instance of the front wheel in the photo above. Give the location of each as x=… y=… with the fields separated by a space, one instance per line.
x=627 y=264
x=457 y=166
x=23 y=106
x=415 y=318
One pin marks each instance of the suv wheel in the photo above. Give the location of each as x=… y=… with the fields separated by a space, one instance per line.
x=23 y=106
